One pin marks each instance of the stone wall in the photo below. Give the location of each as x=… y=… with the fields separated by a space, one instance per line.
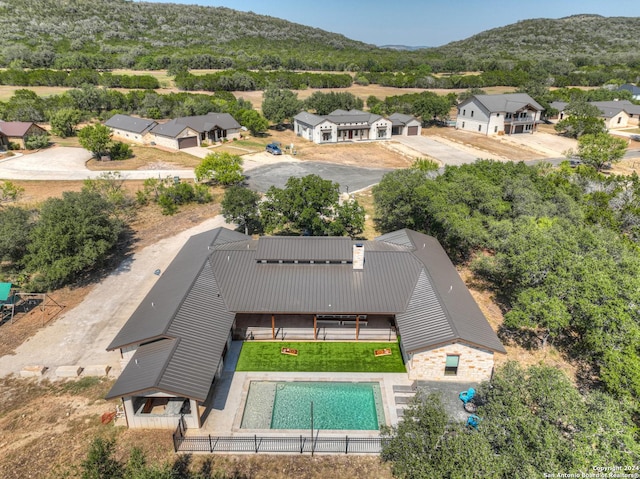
x=475 y=364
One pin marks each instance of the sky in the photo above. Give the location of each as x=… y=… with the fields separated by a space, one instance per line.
x=418 y=22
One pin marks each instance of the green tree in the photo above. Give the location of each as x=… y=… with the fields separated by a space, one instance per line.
x=253 y=121
x=64 y=121
x=222 y=168
x=120 y=151
x=36 y=142
x=96 y=139
x=100 y=462
x=241 y=205
x=309 y=205
x=73 y=235
x=111 y=186
x=15 y=227
x=600 y=149
x=583 y=119
x=279 y=105
x=325 y=103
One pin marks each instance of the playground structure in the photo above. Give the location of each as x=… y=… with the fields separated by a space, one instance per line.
x=13 y=302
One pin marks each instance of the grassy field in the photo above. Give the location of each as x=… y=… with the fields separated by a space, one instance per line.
x=320 y=357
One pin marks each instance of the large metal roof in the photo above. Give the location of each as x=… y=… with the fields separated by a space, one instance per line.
x=190 y=310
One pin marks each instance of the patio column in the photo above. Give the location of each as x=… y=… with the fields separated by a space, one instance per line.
x=315 y=327
x=357 y=325
x=273 y=326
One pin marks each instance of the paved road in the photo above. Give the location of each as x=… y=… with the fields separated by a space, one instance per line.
x=350 y=178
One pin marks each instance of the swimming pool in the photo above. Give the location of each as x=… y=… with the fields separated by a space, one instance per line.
x=336 y=405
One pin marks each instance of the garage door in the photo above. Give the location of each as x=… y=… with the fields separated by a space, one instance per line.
x=412 y=131
x=187 y=142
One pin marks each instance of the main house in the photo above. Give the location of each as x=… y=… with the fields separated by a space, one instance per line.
x=177 y=133
x=499 y=114
x=17 y=131
x=342 y=126
x=224 y=285
x=615 y=113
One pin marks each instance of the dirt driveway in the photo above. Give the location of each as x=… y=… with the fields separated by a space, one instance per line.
x=552 y=146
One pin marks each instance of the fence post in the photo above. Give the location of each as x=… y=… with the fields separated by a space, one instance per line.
x=255 y=440
x=301 y=444
x=346 y=444
x=210 y=444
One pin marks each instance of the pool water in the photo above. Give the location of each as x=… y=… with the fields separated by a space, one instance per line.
x=336 y=405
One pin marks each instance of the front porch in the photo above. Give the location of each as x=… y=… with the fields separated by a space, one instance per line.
x=307 y=327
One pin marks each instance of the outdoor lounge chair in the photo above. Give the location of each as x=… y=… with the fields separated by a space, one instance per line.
x=289 y=351
x=466 y=396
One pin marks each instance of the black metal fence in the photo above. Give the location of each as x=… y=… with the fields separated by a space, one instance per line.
x=280 y=444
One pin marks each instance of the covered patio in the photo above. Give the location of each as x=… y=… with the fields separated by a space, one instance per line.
x=318 y=327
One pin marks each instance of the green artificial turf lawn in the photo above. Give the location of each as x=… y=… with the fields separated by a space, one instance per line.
x=320 y=357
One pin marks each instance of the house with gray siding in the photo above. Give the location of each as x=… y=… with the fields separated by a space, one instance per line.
x=405 y=125
x=499 y=114
x=224 y=286
x=342 y=126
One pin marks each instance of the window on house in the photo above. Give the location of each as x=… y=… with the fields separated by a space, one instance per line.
x=497 y=115
x=619 y=119
x=451 y=365
x=326 y=136
x=464 y=112
x=495 y=129
x=471 y=113
x=463 y=124
x=479 y=127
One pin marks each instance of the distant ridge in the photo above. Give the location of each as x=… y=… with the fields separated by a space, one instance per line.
x=402 y=47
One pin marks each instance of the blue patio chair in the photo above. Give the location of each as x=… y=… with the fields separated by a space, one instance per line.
x=473 y=421
x=466 y=396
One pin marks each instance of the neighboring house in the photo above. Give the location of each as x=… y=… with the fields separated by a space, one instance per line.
x=499 y=114
x=17 y=131
x=129 y=127
x=405 y=125
x=635 y=90
x=191 y=131
x=224 y=285
x=341 y=126
x=615 y=113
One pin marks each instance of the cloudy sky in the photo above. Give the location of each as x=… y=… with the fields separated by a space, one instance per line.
x=419 y=22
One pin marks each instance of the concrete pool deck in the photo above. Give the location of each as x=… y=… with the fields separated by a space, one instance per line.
x=227 y=402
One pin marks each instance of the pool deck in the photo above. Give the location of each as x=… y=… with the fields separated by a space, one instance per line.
x=226 y=404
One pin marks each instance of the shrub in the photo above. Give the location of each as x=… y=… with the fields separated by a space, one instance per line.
x=35 y=142
x=120 y=151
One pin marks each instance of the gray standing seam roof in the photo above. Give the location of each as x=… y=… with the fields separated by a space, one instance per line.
x=398 y=119
x=190 y=310
x=200 y=123
x=309 y=118
x=129 y=123
x=506 y=102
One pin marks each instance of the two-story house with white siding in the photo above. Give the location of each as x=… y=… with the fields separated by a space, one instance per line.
x=499 y=114
x=342 y=126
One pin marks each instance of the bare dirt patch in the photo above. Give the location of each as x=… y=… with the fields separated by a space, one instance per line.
x=147 y=158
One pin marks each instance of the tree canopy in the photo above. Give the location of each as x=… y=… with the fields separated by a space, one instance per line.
x=559 y=247
x=73 y=234
x=96 y=139
x=601 y=149
x=241 y=205
x=279 y=105
x=532 y=420
x=583 y=119
x=222 y=168
x=310 y=205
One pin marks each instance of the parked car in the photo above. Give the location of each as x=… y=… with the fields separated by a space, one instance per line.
x=273 y=149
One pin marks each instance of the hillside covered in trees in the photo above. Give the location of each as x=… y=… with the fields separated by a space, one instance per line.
x=107 y=34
